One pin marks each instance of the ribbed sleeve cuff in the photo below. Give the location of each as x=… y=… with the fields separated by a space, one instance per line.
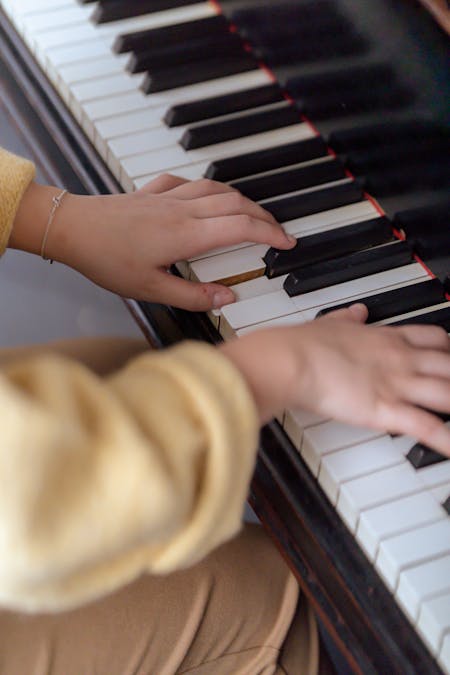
x=16 y=174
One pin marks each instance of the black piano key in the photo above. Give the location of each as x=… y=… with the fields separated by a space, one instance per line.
x=213 y=46
x=432 y=246
x=113 y=10
x=420 y=456
x=266 y=160
x=398 y=301
x=246 y=124
x=436 y=317
x=297 y=206
x=289 y=180
x=339 y=104
x=267 y=19
x=196 y=111
x=272 y=17
x=446 y=505
x=345 y=79
x=328 y=245
x=175 y=34
x=421 y=221
x=409 y=177
x=180 y=76
x=346 y=268
x=362 y=161
x=385 y=133
x=313 y=50
x=326 y=27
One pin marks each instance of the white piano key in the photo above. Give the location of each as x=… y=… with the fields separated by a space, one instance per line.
x=139 y=142
x=441 y=492
x=422 y=582
x=72 y=54
x=65 y=20
x=165 y=160
x=412 y=548
x=434 y=621
x=76 y=34
x=229 y=265
x=329 y=437
x=404 y=514
x=166 y=17
x=98 y=67
x=358 y=460
x=409 y=315
x=444 y=656
x=19 y=9
x=108 y=85
x=22 y=7
x=244 y=313
x=296 y=421
x=435 y=474
x=121 y=125
x=304 y=306
x=148 y=140
x=119 y=104
x=381 y=487
x=257 y=287
x=288 y=320
x=60 y=18
x=122 y=103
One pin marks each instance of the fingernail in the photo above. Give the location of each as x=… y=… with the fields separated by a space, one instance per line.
x=291 y=239
x=221 y=298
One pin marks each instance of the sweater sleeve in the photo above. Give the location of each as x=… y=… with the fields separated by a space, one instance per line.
x=15 y=176
x=104 y=479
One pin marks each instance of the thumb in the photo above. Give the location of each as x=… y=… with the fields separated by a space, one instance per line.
x=357 y=313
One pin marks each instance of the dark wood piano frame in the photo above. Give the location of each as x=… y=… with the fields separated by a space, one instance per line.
x=354 y=605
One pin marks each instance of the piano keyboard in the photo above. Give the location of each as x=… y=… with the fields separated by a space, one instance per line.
x=226 y=118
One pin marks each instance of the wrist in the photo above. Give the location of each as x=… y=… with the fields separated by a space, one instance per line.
x=32 y=217
x=269 y=367
x=37 y=222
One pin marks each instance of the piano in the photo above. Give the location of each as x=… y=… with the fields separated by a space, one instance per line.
x=333 y=114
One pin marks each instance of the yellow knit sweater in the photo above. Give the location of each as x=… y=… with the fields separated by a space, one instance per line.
x=104 y=479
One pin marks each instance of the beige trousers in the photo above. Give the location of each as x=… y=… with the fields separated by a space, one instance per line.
x=238 y=612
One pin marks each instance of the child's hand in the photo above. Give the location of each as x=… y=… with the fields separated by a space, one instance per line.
x=126 y=243
x=379 y=377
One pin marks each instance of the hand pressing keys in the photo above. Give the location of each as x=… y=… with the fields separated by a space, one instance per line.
x=374 y=376
x=126 y=243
